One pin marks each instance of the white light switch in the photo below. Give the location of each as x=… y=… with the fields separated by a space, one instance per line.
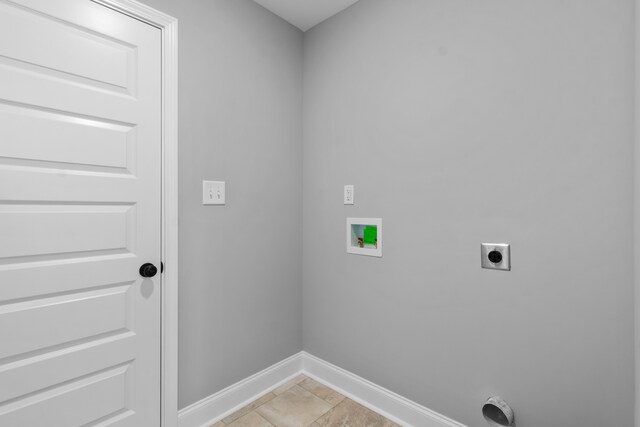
x=349 y=194
x=213 y=192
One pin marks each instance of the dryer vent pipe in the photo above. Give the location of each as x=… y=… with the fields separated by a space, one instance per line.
x=497 y=412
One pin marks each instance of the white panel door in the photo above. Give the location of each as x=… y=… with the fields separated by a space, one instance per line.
x=80 y=140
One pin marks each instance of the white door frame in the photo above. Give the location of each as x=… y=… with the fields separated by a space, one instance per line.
x=169 y=321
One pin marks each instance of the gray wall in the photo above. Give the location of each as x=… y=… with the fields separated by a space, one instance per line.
x=636 y=217
x=240 y=121
x=461 y=122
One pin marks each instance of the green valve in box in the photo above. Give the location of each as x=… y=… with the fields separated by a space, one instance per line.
x=370 y=236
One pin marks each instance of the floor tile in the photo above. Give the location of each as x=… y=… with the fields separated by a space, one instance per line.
x=218 y=424
x=252 y=419
x=351 y=414
x=250 y=407
x=295 y=407
x=322 y=391
x=286 y=386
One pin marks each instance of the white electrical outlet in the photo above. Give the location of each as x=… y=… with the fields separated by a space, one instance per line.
x=213 y=192
x=349 y=194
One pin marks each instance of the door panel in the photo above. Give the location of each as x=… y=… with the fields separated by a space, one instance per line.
x=79 y=402
x=52 y=322
x=79 y=213
x=62 y=47
x=69 y=228
x=57 y=365
x=78 y=143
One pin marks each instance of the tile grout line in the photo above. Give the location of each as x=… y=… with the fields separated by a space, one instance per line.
x=265 y=420
x=260 y=397
x=316 y=420
x=243 y=415
x=298 y=382
x=333 y=406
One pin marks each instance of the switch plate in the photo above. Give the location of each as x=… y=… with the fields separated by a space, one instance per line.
x=213 y=192
x=349 y=194
x=496 y=256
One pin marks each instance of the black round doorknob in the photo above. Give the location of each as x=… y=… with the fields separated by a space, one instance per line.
x=148 y=270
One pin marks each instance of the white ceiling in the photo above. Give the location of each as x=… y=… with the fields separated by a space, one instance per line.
x=305 y=14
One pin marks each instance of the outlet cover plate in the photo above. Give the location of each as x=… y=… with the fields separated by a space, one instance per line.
x=505 y=251
x=349 y=194
x=213 y=193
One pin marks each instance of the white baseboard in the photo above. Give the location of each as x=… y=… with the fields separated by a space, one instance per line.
x=387 y=403
x=225 y=402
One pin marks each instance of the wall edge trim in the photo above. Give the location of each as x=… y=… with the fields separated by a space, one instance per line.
x=385 y=402
x=219 y=405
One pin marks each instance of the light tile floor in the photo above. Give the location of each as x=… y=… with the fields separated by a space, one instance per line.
x=304 y=402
